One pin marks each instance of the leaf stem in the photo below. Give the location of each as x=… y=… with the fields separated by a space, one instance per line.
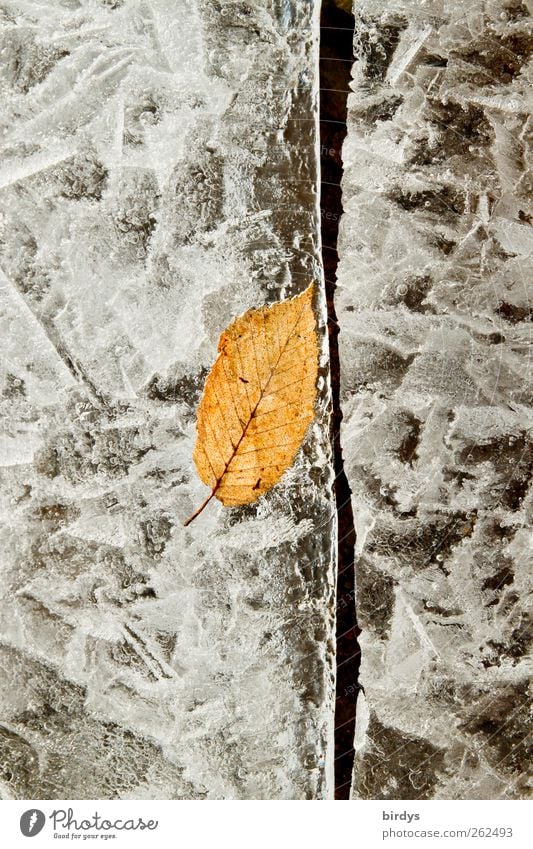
x=201 y=507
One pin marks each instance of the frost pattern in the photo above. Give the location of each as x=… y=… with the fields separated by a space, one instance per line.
x=435 y=330
x=153 y=186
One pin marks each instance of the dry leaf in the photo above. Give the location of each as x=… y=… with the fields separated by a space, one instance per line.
x=258 y=400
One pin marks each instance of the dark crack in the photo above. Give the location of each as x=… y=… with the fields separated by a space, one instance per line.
x=336 y=42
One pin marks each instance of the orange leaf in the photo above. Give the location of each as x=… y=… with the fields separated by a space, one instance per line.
x=258 y=400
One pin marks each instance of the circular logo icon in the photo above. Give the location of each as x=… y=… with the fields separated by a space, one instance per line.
x=32 y=822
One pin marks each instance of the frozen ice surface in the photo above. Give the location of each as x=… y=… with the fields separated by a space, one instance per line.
x=434 y=308
x=157 y=178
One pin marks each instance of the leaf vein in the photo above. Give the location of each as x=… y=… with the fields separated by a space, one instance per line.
x=277 y=409
x=277 y=427
x=223 y=417
x=258 y=468
x=242 y=424
x=281 y=388
x=242 y=369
